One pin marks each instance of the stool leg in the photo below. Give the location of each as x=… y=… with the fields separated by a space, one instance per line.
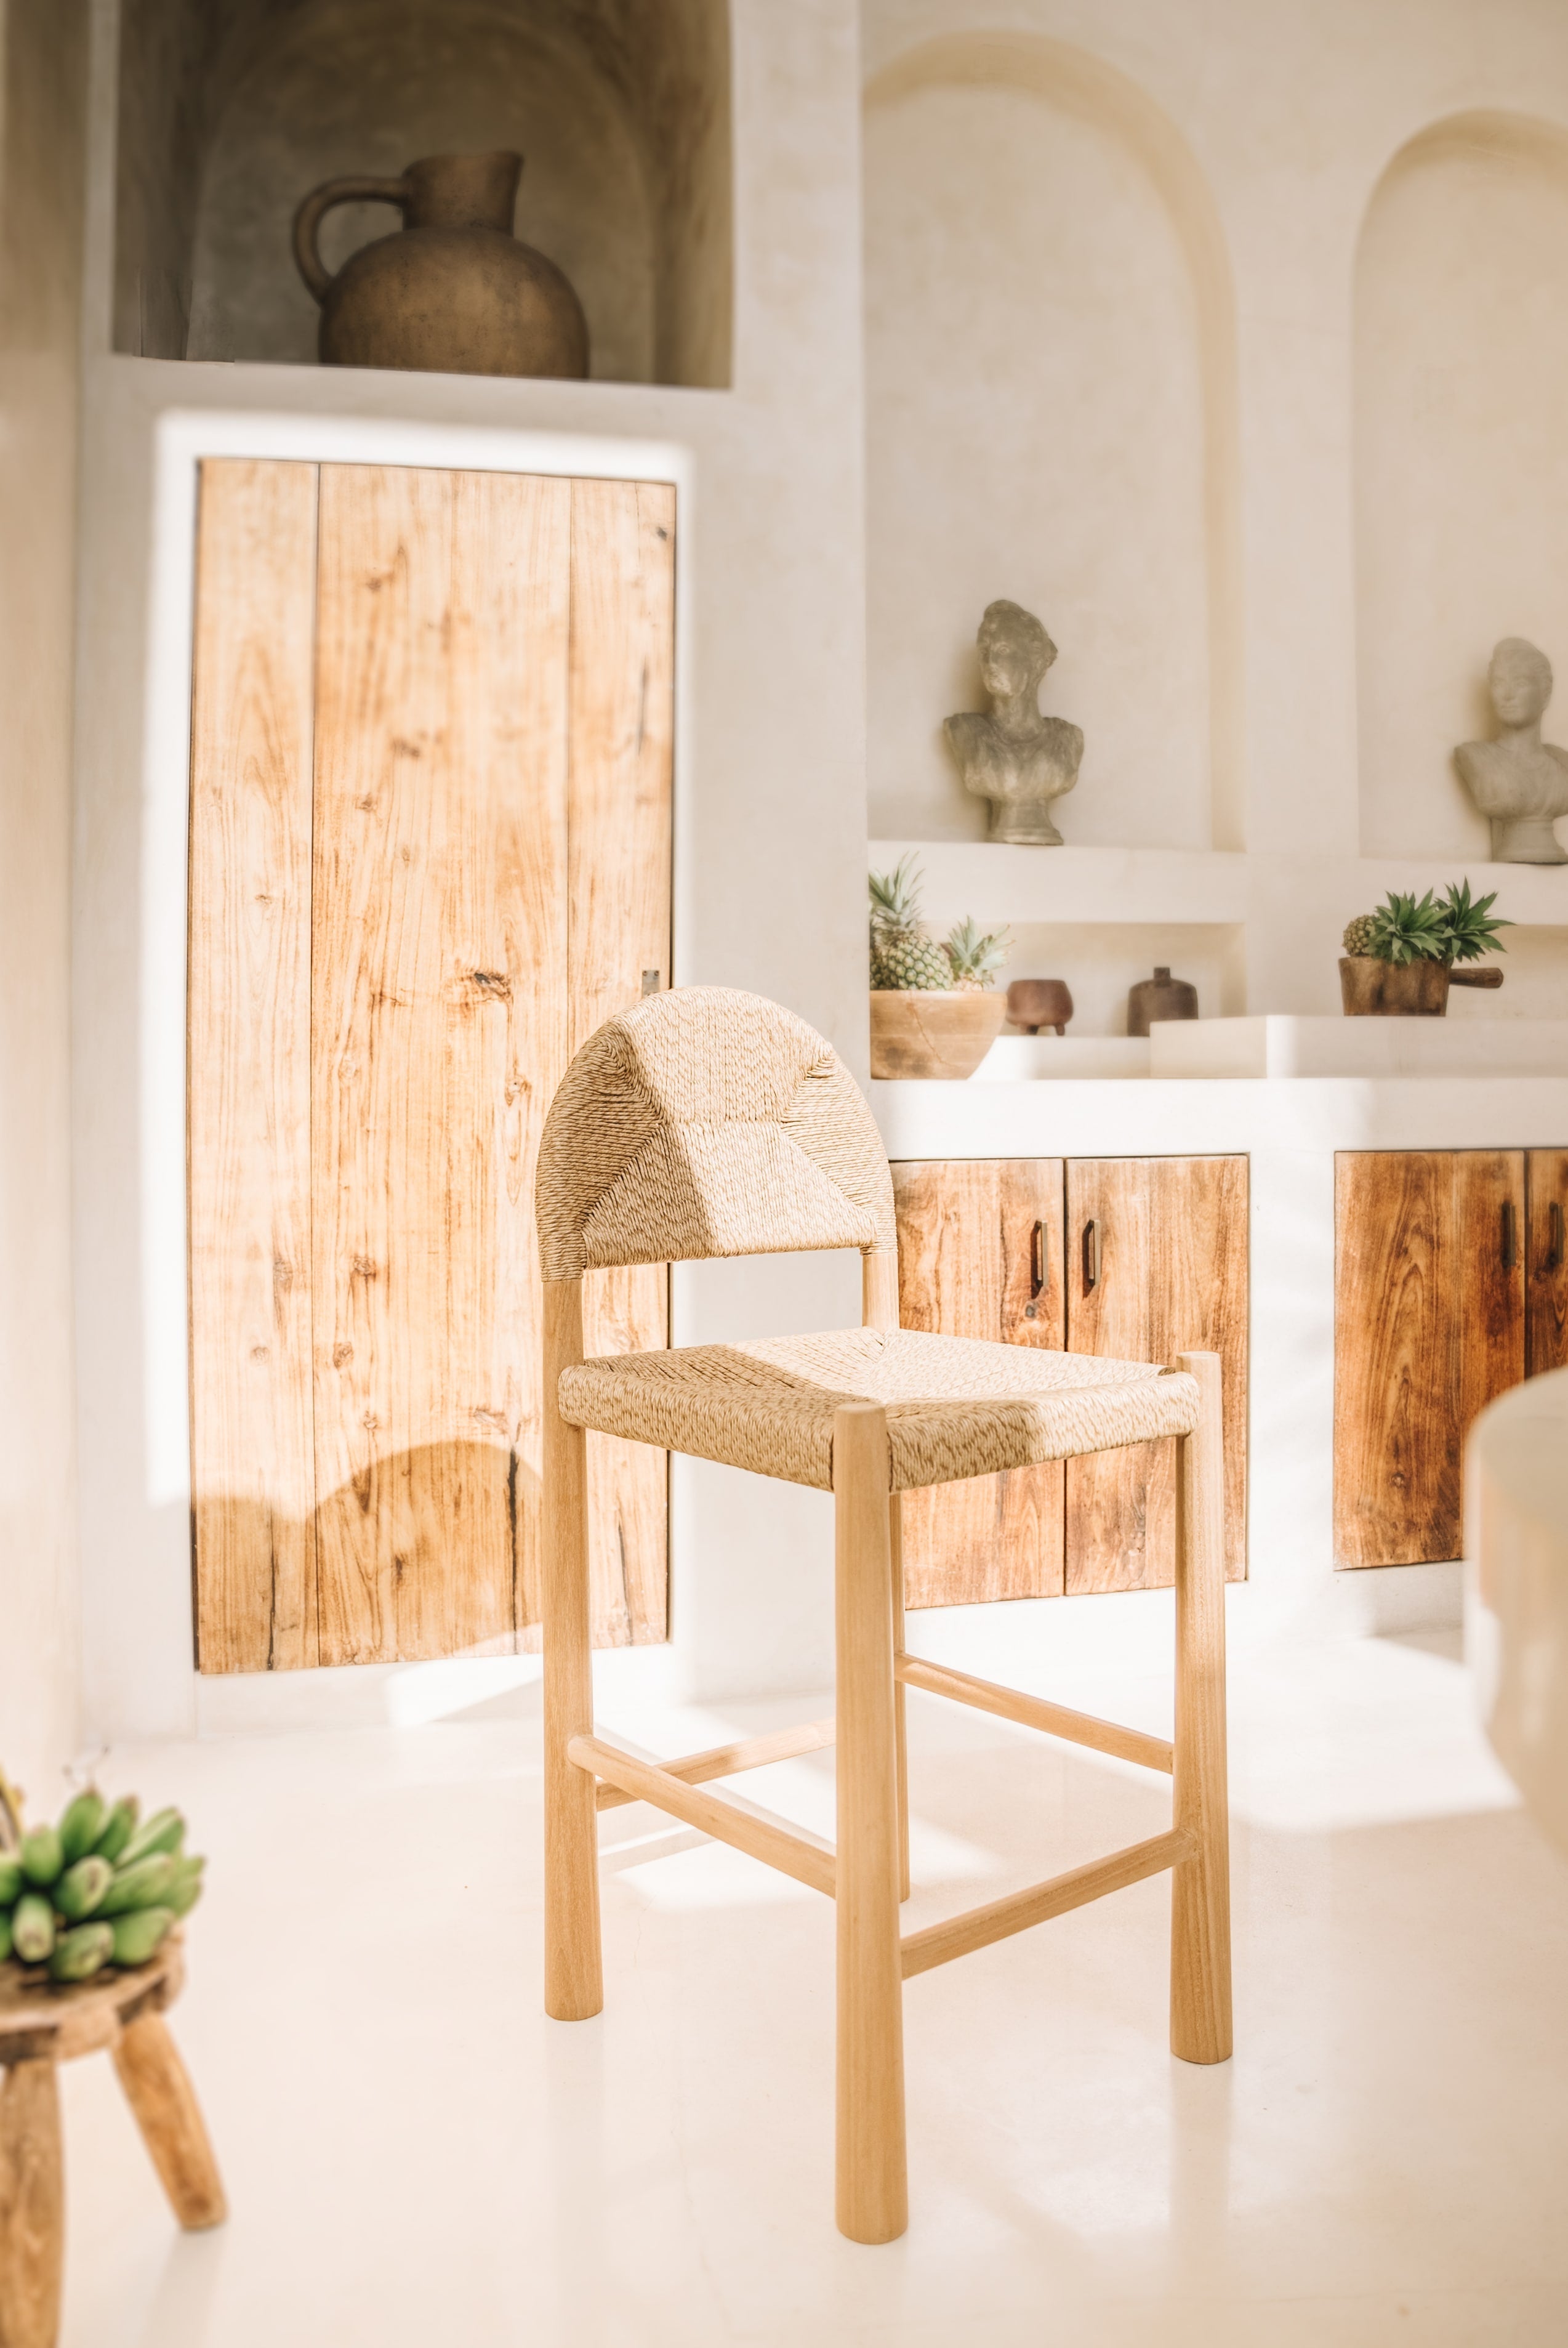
x=158 y=2090
x=1200 y=1887
x=900 y=1729
x=32 y=2206
x=873 y=2194
x=574 y=1981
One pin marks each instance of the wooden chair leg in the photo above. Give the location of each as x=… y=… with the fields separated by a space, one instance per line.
x=1200 y=1886
x=32 y=2206
x=873 y=2192
x=158 y=2090
x=900 y=1728
x=574 y=1981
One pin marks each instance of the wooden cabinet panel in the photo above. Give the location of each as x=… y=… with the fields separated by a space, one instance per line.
x=1429 y=1324
x=1546 y=1260
x=1157 y=1261
x=979 y=1255
x=430 y=852
x=252 y=1471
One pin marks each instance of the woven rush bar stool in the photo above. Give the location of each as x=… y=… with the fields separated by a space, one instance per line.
x=710 y=1123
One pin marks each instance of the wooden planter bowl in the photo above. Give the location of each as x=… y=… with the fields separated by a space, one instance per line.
x=916 y=1033
x=1411 y=990
x=1415 y=990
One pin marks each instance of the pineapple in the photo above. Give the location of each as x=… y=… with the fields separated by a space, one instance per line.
x=902 y=955
x=1360 y=933
x=976 y=959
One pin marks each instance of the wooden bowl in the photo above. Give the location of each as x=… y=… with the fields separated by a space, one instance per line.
x=1037 y=1003
x=1371 y=989
x=916 y=1033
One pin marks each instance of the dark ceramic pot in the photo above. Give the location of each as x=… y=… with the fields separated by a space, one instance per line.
x=1160 y=997
x=453 y=292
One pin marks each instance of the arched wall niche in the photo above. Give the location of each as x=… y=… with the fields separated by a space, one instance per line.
x=1461 y=458
x=231 y=110
x=1052 y=415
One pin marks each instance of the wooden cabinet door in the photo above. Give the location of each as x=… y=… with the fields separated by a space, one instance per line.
x=1429 y=1325
x=430 y=850
x=979 y=1255
x=1157 y=1261
x=1545 y=1261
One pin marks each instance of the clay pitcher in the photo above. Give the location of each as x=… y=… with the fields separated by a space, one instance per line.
x=453 y=292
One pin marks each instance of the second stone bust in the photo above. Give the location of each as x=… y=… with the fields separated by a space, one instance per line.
x=1010 y=755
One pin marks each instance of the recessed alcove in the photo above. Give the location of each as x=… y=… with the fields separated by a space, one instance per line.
x=1050 y=393
x=231 y=110
x=1461 y=465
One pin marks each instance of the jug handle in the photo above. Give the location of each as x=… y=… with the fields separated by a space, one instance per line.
x=318 y=203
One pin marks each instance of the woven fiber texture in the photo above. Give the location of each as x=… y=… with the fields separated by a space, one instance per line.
x=956 y=1406
x=707 y=1122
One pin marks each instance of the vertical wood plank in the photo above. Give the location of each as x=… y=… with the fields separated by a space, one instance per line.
x=1429 y=1325
x=1173 y=1277
x=620 y=803
x=969 y=1258
x=439 y=1035
x=1546 y=1260
x=249 y=1068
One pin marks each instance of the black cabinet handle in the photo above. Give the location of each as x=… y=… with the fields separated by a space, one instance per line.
x=1554 y=1236
x=1091 y=1256
x=1510 y=1236
x=1037 y=1260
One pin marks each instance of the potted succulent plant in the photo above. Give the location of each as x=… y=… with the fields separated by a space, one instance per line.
x=1400 y=961
x=934 y=1008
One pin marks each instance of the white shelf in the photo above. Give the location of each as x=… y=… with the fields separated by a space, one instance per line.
x=1144 y=885
x=1167 y=887
x=1046 y=1059
x=1275 y=1046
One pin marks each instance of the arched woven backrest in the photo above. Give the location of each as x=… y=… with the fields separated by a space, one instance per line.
x=707 y=1122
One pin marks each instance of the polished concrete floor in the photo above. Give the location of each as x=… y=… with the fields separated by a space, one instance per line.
x=415 y=2154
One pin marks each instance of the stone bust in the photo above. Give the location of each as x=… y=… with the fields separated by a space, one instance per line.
x=1009 y=754
x=1519 y=781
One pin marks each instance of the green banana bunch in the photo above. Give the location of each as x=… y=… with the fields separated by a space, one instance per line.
x=99 y=1888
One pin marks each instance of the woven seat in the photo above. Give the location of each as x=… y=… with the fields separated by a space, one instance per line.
x=956 y=1406
x=704 y=1123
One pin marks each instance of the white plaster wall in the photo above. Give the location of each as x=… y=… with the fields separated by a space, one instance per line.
x=770 y=822
x=1289 y=115
x=1032 y=381
x=1462 y=459
x=43 y=51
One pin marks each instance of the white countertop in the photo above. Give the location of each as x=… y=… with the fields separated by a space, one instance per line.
x=1202 y=1115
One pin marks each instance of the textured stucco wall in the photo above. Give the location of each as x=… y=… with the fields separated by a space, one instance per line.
x=44 y=56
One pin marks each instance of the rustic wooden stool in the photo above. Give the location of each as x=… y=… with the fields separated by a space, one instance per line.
x=710 y=1123
x=43 y=2026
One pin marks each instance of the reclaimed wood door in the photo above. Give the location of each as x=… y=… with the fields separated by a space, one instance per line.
x=1157 y=1262
x=979 y=1255
x=1545 y=1261
x=1429 y=1325
x=429 y=851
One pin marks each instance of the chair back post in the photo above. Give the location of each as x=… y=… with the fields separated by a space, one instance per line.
x=879 y=1289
